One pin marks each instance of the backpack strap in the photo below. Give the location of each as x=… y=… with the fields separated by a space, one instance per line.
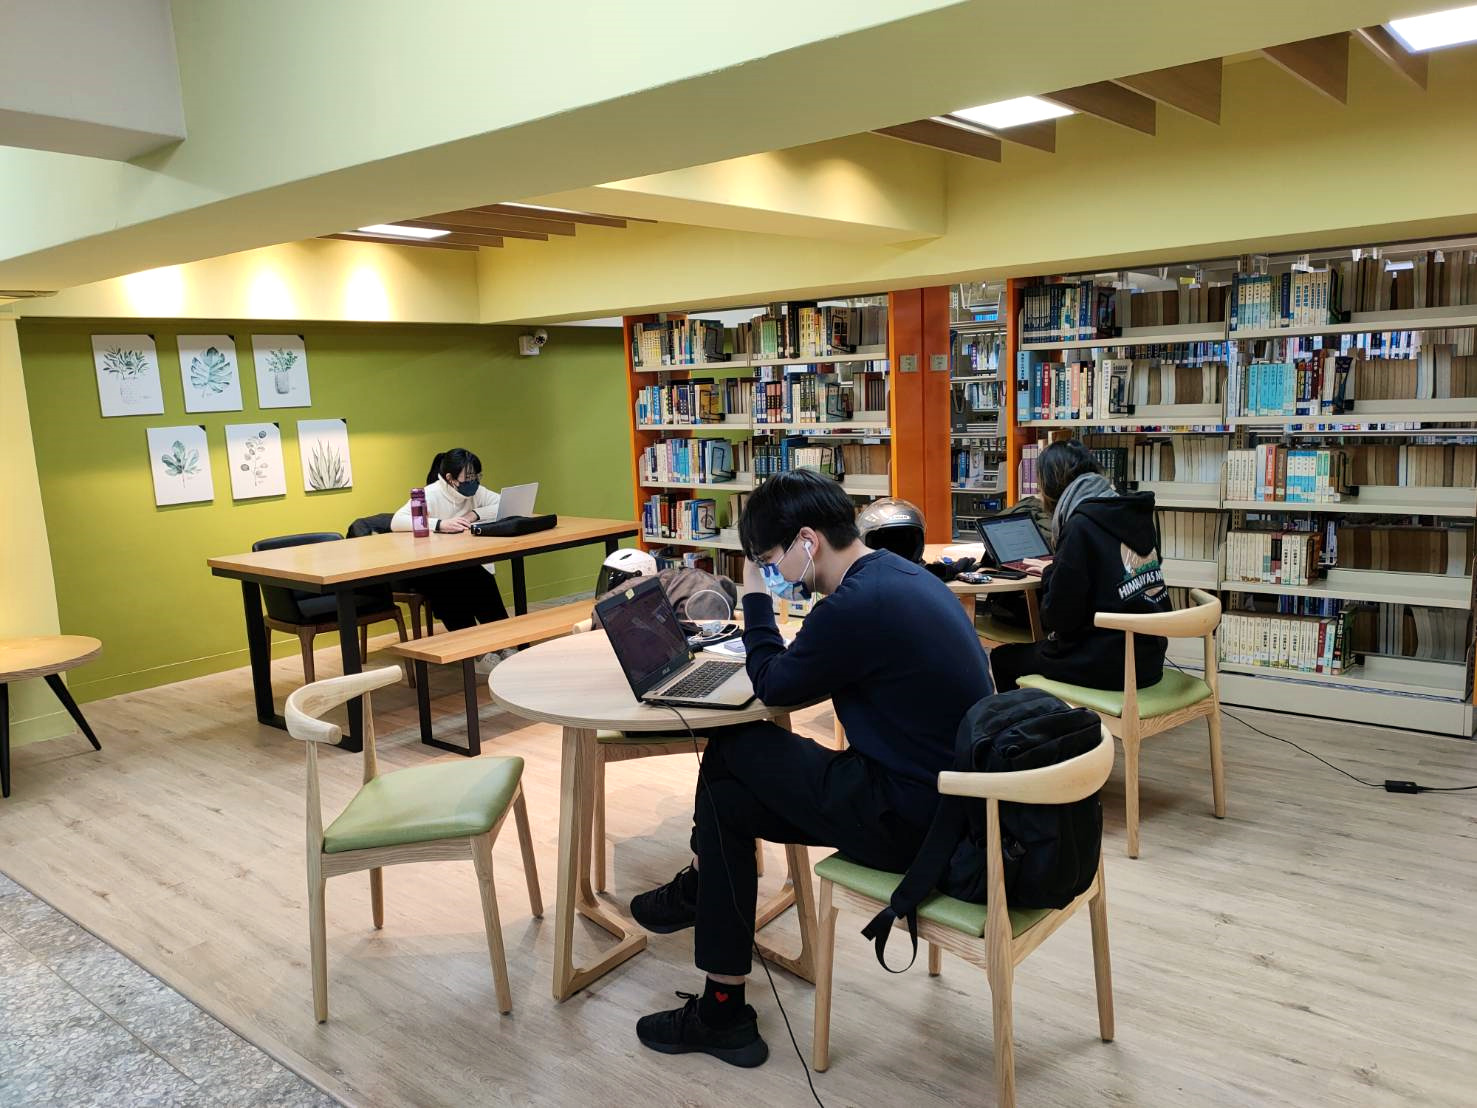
x=948 y=827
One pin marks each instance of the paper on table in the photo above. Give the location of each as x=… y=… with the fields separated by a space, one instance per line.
x=733 y=648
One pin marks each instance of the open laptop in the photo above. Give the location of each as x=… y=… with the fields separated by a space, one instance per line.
x=653 y=651
x=1014 y=542
x=517 y=500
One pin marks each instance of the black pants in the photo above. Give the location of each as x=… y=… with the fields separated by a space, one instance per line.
x=462 y=597
x=1009 y=662
x=760 y=781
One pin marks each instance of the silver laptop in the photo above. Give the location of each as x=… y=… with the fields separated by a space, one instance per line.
x=652 y=649
x=517 y=500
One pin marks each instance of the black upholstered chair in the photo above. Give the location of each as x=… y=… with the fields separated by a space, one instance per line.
x=403 y=592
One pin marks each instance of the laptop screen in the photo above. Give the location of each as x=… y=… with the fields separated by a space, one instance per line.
x=644 y=633
x=1013 y=538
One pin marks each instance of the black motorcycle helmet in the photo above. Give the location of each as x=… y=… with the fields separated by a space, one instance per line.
x=895 y=524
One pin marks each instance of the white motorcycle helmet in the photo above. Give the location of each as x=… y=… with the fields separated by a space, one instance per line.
x=622 y=566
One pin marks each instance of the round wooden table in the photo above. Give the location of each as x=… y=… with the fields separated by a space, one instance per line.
x=577 y=684
x=45 y=656
x=966 y=592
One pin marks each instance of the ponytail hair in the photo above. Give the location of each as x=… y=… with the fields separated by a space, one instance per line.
x=452 y=462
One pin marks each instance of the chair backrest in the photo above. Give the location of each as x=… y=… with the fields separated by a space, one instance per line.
x=1185 y=623
x=370 y=525
x=1062 y=783
x=282 y=603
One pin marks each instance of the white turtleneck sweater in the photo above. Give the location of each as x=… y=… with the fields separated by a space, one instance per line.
x=444 y=502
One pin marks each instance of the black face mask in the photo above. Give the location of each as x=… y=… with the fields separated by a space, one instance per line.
x=469 y=488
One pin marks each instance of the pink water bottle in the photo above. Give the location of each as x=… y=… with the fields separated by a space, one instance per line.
x=419 y=525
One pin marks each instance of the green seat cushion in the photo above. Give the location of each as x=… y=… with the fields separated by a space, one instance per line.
x=961 y=915
x=999 y=631
x=448 y=800
x=639 y=737
x=1175 y=690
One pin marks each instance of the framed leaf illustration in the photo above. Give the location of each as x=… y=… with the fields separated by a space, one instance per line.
x=179 y=458
x=210 y=373
x=281 y=371
x=254 y=455
x=324 y=446
x=127 y=375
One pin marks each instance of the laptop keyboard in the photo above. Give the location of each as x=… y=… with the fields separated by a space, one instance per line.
x=702 y=680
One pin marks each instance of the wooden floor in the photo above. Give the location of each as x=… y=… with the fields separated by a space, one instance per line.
x=1319 y=946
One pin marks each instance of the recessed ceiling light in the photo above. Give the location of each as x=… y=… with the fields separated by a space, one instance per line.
x=395 y=230
x=1436 y=29
x=540 y=208
x=1012 y=113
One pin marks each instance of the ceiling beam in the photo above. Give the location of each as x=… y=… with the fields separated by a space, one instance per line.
x=1040 y=135
x=467 y=229
x=1388 y=49
x=437 y=244
x=1194 y=88
x=594 y=219
x=471 y=217
x=1108 y=101
x=1321 y=63
x=946 y=136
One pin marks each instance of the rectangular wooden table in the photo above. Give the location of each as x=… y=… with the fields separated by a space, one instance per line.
x=341 y=567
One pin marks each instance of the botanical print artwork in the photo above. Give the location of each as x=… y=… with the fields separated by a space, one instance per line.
x=281 y=371
x=324 y=446
x=127 y=375
x=179 y=458
x=254 y=455
x=211 y=377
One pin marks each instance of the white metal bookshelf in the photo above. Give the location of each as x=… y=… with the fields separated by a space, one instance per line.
x=872 y=354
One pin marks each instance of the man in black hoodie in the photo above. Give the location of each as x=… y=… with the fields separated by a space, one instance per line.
x=1107 y=560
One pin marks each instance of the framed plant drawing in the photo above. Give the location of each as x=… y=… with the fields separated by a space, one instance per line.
x=180 y=460
x=127 y=375
x=281 y=371
x=324 y=445
x=254 y=454
x=208 y=370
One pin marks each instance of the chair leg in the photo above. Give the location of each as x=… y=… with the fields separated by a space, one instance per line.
x=400 y=630
x=318 y=943
x=597 y=833
x=363 y=643
x=1102 y=971
x=377 y=896
x=759 y=857
x=1131 y=791
x=305 y=638
x=530 y=864
x=1217 y=767
x=1001 y=984
x=935 y=959
x=825 y=957
x=482 y=862
x=415 y=617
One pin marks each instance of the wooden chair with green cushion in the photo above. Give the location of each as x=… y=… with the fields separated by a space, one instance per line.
x=994 y=937
x=1135 y=714
x=446 y=811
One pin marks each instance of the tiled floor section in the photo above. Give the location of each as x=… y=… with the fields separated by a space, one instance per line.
x=80 y=1024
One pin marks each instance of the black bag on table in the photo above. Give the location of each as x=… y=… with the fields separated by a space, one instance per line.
x=1050 y=851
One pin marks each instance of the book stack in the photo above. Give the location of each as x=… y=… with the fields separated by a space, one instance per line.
x=1063 y=311
x=703 y=461
x=677 y=342
x=803 y=329
x=671 y=516
x=681 y=403
x=1305 y=298
x=1307 y=644
x=1278 y=473
x=1193 y=536
x=1425 y=466
x=1274 y=557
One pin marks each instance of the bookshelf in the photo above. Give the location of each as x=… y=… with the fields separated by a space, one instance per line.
x=695 y=377
x=1368 y=314
x=979 y=398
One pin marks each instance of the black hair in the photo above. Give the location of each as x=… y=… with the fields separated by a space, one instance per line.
x=787 y=502
x=452 y=462
x=1060 y=464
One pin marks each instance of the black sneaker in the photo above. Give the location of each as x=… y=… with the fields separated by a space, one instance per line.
x=682 y=1031
x=669 y=907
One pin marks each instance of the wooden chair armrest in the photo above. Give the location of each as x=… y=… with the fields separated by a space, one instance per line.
x=307 y=704
x=1187 y=623
x=1059 y=784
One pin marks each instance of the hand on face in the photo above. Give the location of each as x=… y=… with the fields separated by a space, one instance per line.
x=753 y=577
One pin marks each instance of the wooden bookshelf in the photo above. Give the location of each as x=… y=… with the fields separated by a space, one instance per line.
x=1140 y=336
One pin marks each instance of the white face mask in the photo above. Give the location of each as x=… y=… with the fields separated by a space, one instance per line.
x=781 y=586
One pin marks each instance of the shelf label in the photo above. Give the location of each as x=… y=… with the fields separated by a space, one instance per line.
x=907 y=363
x=938 y=363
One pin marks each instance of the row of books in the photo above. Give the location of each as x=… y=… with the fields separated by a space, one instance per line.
x=1437 y=634
x=1194 y=459
x=1113 y=461
x=979 y=354
x=681 y=403
x=978 y=396
x=1434 y=373
x=1435 y=279
x=1274 y=557
x=1273 y=472
x=1026 y=479
x=1307 y=387
x=1425 y=466
x=1198 y=302
x=673 y=516
x=1306 y=644
x=1402 y=548
x=1159 y=381
x=1302 y=298
x=1112 y=387
x=1063 y=311
x=806 y=398
x=677 y=342
x=1195 y=536
x=804 y=329
x=704 y=461
x=975 y=467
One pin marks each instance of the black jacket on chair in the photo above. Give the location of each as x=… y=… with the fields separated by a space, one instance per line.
x=1107 y=561
x=297 y=606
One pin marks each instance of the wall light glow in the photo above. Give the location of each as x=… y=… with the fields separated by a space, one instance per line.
x=156 y=292
x=268 y=297
x=365 y=296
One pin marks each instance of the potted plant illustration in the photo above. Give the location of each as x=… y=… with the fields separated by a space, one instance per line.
x=128 y=366
x=326 y=468
x=257 y=462
x=181 y=463
x=279 y=364
x=210 y=372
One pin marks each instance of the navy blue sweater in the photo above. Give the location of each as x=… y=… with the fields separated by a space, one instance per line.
x=894 y=652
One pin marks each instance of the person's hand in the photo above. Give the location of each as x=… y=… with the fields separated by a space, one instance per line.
x=470 y=515
x=454 y=524
x=753 y=577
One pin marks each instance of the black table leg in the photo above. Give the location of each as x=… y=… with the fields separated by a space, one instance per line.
x=469 y=686
x=4 y=739
x=611 y=546
x=423 y=698
x=348 y=641
x=520 y=588
x=259 y=647
x=60 y=688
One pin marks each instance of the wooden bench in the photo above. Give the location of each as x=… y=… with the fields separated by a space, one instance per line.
x=469 y=644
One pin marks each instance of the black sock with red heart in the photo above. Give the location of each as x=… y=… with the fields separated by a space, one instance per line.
x=721 y=1004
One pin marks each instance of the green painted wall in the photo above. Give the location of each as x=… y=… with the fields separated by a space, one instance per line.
x=134 y=575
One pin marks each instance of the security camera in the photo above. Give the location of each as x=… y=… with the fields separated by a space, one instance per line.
x=540 y=336
x=530 y=344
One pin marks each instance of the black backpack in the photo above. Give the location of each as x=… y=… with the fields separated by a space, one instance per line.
x=1050 y=851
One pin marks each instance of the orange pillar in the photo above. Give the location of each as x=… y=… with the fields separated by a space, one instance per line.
x=905 y=344
x=938 y=505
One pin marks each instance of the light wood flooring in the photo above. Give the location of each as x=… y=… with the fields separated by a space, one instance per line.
x=1319 y=946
